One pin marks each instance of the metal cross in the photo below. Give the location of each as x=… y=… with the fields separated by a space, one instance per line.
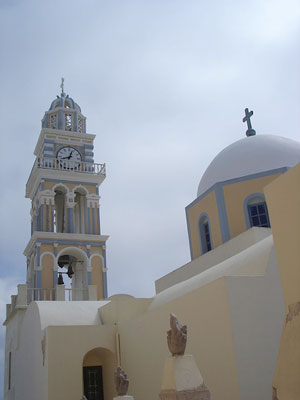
x=250 y=131
x=62 y=86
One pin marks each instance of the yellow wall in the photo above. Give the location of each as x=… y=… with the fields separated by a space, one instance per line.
x=48 y=260
x=235 y=195
x=206 y=205
x=48 y=185
x=47 y=272
x=97 y=280
x=96 y=222
x=283 y=200
x=67 y=347
x=205 y=311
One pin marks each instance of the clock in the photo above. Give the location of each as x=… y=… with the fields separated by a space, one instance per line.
x=68 y=157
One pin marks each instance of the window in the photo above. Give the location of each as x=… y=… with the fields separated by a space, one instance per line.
x=205 y=237
x=80 y=125
x=53 y=121
x=60 y=211
x=80 y=212
x=258 y=214
x=93 y=383
x=68 y=122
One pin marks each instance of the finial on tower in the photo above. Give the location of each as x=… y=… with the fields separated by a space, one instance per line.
x=250 y=131
x=62 y=87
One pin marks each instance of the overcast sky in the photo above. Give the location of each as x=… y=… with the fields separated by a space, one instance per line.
x=163 y=84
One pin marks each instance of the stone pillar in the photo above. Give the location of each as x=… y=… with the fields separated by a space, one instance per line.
x=60 y=292
x=182 y=380
x=22 y=295
x=92 y=292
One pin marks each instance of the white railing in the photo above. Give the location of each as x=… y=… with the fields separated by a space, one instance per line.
x=36 y=294
x=26 y=295
x=76 y=294
x=66 y=165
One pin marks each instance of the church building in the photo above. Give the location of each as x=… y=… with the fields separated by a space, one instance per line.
x=239 y=295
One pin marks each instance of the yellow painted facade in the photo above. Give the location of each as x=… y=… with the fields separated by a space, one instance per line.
x=47 y=271
x=100 y=340
x=207 y=205
x=235 y=195
x=144 y=354
x=97 y=279
x=48 y=267
x=283 y=199
x=48 y=185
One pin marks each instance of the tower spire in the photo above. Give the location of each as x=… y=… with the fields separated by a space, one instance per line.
x=62 y=87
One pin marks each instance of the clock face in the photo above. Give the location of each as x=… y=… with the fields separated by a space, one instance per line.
x=69 y=158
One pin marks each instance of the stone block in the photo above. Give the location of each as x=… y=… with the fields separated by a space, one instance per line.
x=200 y=393
x=124 y=398
x=182 y=380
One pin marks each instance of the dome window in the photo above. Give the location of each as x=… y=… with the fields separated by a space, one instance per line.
x=204 y=232
x=80 y=125
x=68 y=122
x=257 y=212
x=53 y=121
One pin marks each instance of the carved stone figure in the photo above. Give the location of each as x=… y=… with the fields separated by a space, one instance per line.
x=274 y=393
x=176 y=337
x=121 y=382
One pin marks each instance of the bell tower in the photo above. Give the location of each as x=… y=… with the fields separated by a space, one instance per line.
x=66 y=243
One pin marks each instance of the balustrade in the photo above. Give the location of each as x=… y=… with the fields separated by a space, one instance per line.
x=66 y=165
x=69 y=294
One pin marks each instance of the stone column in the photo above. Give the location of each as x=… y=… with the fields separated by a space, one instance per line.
x=182 y=380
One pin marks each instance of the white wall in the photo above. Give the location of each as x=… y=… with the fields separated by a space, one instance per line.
x=257 y=314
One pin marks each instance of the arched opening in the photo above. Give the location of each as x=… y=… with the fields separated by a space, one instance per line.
x=80 y=211
x=205 y=235
x=98 y=368
x=256 y=211
x=60 y=210
x=68 y=122
x=73 y=273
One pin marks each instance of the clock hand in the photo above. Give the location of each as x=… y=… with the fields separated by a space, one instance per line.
x=70 y=155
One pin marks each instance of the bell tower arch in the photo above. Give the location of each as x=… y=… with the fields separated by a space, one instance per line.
x=63 y=186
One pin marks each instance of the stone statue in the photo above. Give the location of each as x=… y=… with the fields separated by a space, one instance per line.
x=177 y=337
x=181 y=376
x=121 y=382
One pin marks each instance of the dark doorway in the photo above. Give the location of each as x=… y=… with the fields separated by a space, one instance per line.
x=93 y=383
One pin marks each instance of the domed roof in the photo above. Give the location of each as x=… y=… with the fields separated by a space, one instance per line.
x=248 y=156
x=64 y=101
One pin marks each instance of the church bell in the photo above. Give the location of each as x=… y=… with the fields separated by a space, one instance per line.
x=70 y=271
x=60 y=280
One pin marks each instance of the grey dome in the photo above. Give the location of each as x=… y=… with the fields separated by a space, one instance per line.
x=64 y=101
